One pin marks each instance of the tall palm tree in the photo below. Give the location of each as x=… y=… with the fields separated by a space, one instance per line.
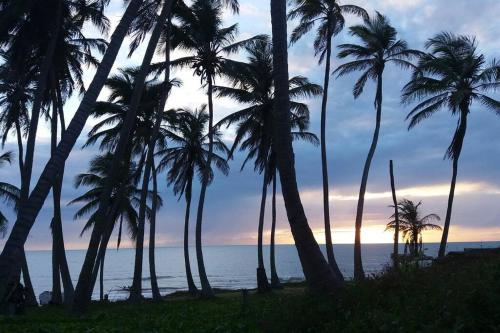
x=411 y=223
x=452 y=76
x=253 y=86
x=329 y=16
x=14 y=246
x=186 y=157
x=202 y=34
x=379 y=47
x=125 y=199
x=318 y=273
x=9 y=194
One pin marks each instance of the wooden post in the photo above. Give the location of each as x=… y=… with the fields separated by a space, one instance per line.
x=396 y=216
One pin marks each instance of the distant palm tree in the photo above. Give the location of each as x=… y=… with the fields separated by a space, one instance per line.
x=124 y=202
x=253 y=86
x=452 y=76
x=9 y=194
x=318 y=273
x=329 y=15
x=379 y=47
x=411 y=224
x=185 y=157
x=202 y=34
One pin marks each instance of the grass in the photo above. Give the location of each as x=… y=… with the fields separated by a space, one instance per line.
x=458 y=294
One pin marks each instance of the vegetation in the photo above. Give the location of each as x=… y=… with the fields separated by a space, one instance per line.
x=425 y=300
x=44 y=50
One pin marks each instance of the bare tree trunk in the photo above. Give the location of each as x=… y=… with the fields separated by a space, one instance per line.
x=101 y=277
x=262 y=282
x=324 y=167
x=13 y=249
x=275 y=280
x=152 y=232
x=206 y=289
x=359 y=274
x=31 y=298
x=459 y=137
x=318 y=273
x=395 y=252
x=191 y=286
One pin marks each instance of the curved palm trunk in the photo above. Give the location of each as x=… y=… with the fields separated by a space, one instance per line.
x=206 y=289
x=324 y=166
x=395 y=252
x=14 y=246
x=82 y=291
x=191 y=286
x=318 y=273
x=152 y=232
x=31 y=298
x=459 y=137
x=101 y=277
x=275 y=280
x=262 y=282
x=359 y=274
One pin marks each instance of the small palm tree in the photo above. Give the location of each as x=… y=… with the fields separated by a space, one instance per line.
x=253 y=87
x=411 y=224
x=8 y=193
x=124 y=202
x=329 y=16
x=452 y=76
x=379 y=47
x=186 y=157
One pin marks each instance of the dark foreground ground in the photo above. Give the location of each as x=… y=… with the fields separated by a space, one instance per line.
x=458 y=294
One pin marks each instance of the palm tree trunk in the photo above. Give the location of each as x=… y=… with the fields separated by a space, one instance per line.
x=152 y=232
x=262 y=282
x=395 y=252
x=56 y=280
x=206 y=289
x=20 y=147
x=136 y=290
x=191 y=286
x=275 y=280
x=324 y=166
x=31 y=298
x=359 y=274
x=318 y=273
x=459 y=138
x=13 y=248
x=101 y=277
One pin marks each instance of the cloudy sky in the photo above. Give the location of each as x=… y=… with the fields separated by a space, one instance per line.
x=232 y=203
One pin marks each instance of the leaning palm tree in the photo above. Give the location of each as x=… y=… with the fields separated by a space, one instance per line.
x=185 y=157
x=9 y=194
x=411 y=223
x=318 y=273
x=13 y=248
x=201 y=33
x=253 y=87
x=452 y=76
x=124 y=202
x=329 y=16
x=379 y=47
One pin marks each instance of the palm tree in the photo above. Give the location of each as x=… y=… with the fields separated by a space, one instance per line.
x=452 y=76
x=187 y=156
x=14 y=246
x=124 y=201
x=201 y=33
x=379 y=47
x=329 y=15
x=253 y=86
x=412 y=224
x=318 y=273
x=8 y=193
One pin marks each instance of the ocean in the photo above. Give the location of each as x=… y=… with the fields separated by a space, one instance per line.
x=228 y=267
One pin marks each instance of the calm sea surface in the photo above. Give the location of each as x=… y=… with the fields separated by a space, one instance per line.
x=230 y=267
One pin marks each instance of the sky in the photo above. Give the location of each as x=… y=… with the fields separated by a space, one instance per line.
x=232 y=202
